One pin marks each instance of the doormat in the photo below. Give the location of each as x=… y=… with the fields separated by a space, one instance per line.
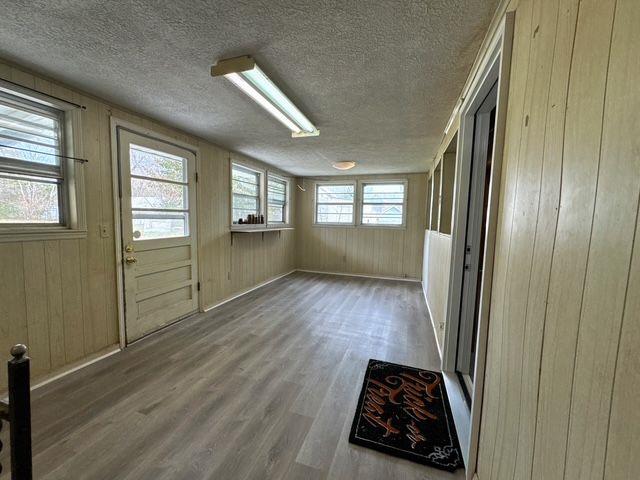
x=404 y=411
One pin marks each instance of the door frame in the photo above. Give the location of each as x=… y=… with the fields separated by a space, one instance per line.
x=495 y=67
x=116 y=123
x=474 y=229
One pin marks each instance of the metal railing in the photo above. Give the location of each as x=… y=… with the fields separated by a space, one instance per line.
x=18 y=414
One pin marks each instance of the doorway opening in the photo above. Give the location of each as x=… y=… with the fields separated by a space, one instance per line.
x=484 y=119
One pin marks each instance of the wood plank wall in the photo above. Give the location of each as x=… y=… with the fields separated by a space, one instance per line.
x=386 y=252
x=563 y=369
x=435 y=279
x=59 y=296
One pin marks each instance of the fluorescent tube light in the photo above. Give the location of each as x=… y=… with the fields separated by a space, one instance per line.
x=248 y=77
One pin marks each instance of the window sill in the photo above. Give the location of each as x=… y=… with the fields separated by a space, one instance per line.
x=260 y=228
x=35 y=234
x=368 y=227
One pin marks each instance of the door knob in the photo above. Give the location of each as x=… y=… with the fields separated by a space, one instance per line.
x=130 y=260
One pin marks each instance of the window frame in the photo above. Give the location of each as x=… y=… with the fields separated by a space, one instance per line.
x=287 y=201
x=318 y=184
x=70 y=173
x=362 y=183
x=261 y=195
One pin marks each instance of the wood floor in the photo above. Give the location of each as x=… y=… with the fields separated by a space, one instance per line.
x=263 y=387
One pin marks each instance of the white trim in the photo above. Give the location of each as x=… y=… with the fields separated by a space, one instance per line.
x=267 y=282
x=433 y=325
x=364 y=275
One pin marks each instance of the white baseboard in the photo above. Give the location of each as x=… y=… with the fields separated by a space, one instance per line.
x=244 y=292
x=74 y=367
x=433 y=323
x=414 y=280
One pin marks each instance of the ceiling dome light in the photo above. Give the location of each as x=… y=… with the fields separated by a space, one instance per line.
x=344 y=165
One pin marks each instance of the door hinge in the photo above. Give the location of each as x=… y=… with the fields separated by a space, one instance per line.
x=198 y=286
x=196 y=177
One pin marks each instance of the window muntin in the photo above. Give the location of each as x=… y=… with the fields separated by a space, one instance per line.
x=277 y=201
x=31 y=165
x=245 y=185
x=159 y=194
x=383 y=203
x=335 y=203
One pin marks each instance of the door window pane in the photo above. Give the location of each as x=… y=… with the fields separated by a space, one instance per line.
x=150 y=163
x=149 y=225
x=158 y=195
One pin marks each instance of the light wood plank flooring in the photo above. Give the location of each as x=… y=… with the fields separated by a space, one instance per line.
x=263 y=387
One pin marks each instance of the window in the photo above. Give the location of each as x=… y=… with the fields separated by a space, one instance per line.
x=383 y=203
x=32 y=172
x=277 y=200
x=245 y=191
x=335 y=203
x=159 y=194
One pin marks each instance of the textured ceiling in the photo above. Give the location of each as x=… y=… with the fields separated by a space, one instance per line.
x=378 y=78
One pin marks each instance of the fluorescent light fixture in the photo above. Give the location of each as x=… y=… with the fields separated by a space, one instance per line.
x=245 y=74
x=344 y=165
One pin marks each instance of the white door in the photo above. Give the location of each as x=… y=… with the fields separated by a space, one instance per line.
x=158 y=216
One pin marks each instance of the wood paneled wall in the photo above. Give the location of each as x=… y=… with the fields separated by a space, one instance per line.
x=59 y=296
x=435 y=279
x=387 y=252
x=562 y=374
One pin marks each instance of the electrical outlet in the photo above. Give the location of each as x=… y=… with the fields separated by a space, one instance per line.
x=104 y=230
